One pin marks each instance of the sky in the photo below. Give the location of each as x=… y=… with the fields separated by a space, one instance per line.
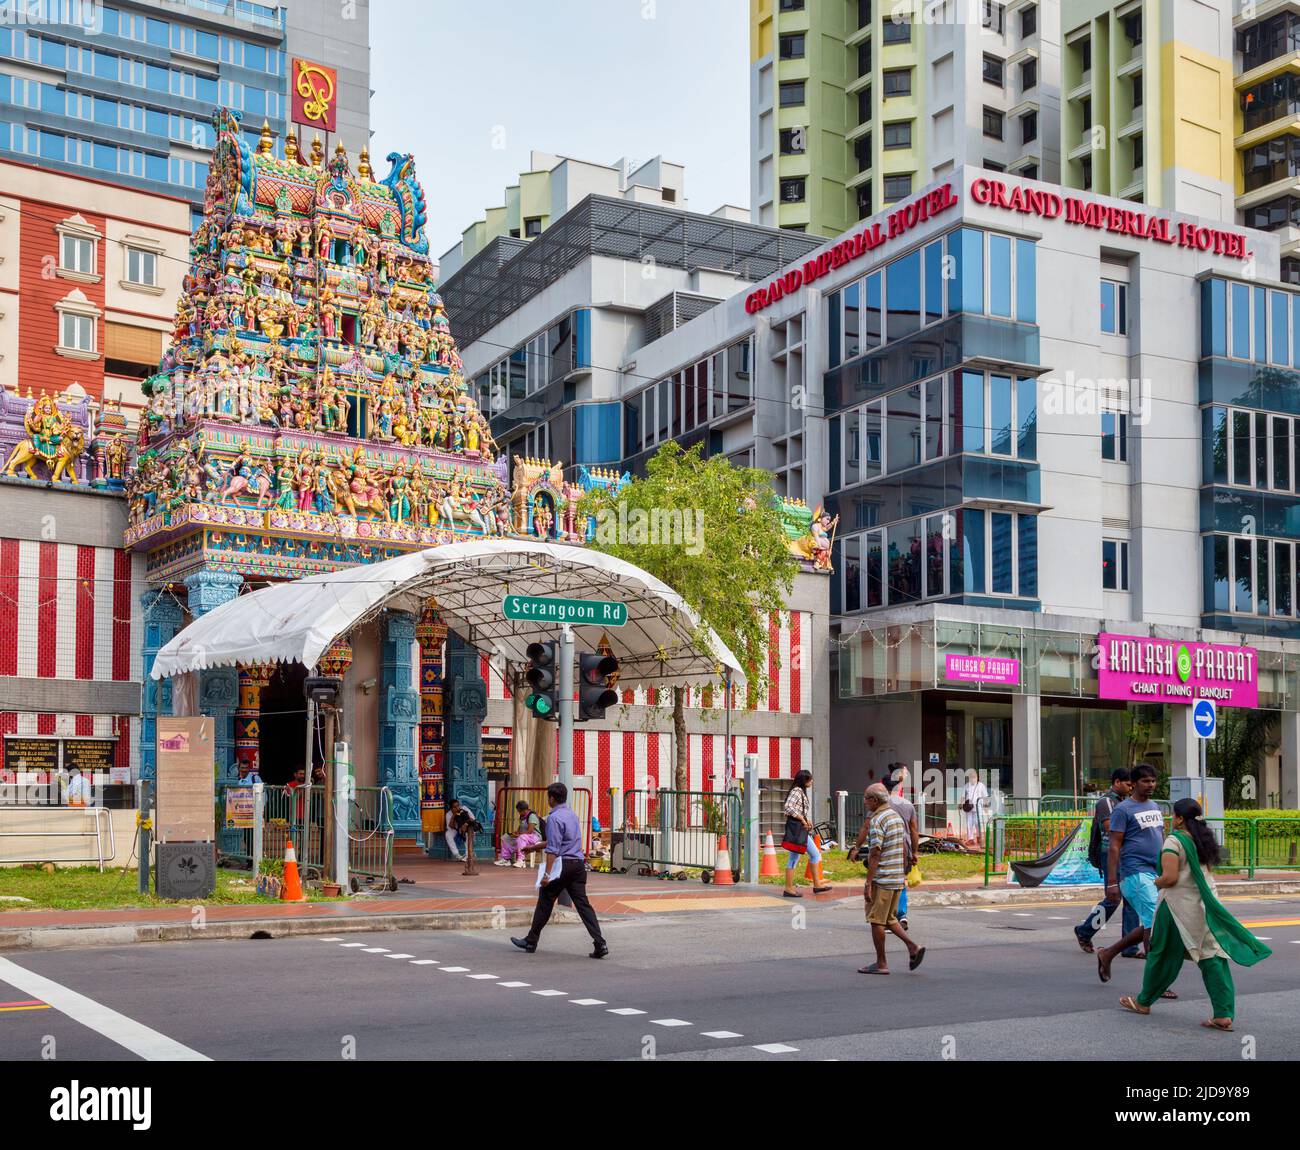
x=470 y=87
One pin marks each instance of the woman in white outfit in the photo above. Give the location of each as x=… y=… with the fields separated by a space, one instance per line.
x=974 y=806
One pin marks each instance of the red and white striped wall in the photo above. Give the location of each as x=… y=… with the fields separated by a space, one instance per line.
x=69 y=726
x=789 y=692
x=644 y=760
x=69 y=612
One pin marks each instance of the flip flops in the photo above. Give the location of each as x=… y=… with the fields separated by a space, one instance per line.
x=1128 y=1002
x=1103 y=971
x=1217 y=1024
x=1085 y=945
x=874 y=968
x=917 y=958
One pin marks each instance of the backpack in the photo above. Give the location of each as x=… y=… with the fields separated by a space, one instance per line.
x=1094 y=839
x=541 y=826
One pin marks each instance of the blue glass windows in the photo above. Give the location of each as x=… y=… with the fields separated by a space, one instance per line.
x=1000 y=276
x=903 y=295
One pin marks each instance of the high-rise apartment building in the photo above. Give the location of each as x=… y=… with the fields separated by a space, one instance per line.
x=124 y=91
x=857 y=103
x=1147 y=102
x=1268 y=102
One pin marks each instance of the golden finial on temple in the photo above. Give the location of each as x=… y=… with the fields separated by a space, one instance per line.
x=317 y=152
x=266 y=141
x=363 y=164
x=291 y=148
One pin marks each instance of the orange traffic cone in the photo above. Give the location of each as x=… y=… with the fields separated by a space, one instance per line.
x=722 y=864
x=808 y=870
x=769 y=866
x=291 y=891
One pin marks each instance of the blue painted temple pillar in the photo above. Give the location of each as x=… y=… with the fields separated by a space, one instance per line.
x=399 y=715
x=465 y=703
x=219 y=687
x=162 y=617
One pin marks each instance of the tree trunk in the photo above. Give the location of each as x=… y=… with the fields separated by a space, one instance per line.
x=681 y=742
x=532 y=759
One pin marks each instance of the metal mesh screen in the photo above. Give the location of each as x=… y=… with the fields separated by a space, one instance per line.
x=508 y=272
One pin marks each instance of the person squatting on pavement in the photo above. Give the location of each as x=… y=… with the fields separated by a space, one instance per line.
x=1191 y=922
x=563 y=843
x=886 y=878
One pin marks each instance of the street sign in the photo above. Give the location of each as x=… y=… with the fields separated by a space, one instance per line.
x=1204 y=718
x=540 y=609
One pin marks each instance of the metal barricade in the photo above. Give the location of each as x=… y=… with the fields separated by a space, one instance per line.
x=234 y=844
x=505 y=819
x=1022 y=838
x=370 y=835
x=1276 y=843
x=94 y=825
x=681 y=829
x=297 y=815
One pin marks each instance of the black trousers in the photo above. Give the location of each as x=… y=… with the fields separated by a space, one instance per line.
x=573 y=881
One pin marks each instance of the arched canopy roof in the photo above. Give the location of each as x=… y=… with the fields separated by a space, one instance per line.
x=296 y=622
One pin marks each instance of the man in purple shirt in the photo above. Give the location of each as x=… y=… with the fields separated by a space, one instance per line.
x=563 y=843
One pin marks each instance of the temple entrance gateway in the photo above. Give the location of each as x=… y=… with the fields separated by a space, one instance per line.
x=282 y=722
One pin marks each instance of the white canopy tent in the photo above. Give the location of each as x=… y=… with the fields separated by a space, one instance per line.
x=298 y=621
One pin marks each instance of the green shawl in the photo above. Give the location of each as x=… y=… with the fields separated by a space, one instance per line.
x=1238 y=943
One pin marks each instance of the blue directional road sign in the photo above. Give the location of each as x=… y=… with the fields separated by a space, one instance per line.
x=1204 y=718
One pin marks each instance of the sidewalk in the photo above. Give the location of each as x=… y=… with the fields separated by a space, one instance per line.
x=439 y=896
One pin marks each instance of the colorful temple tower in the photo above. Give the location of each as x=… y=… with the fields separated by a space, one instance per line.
x=310 y=414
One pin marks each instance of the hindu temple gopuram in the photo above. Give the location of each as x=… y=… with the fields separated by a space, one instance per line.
x=311 y=414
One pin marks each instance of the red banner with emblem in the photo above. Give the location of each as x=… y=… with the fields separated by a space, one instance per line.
x=314 y=89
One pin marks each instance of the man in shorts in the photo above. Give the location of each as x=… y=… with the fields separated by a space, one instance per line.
x=1137 y=831
x=887 y=837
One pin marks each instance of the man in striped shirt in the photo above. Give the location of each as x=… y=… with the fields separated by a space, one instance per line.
x=886 y=877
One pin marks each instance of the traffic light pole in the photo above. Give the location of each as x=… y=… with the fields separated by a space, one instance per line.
x=564 y=756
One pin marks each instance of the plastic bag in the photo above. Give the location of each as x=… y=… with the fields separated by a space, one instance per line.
x=914 y=876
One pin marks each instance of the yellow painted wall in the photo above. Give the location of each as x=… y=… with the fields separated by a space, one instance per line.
x=760 y=29
x=1197 y=116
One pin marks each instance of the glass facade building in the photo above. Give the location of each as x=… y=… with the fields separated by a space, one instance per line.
x=127 y=95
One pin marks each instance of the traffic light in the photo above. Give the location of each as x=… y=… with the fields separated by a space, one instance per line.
x=542 y=699
x=594 y=691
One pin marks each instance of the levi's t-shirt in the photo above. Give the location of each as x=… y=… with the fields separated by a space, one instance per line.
x=1143 y=826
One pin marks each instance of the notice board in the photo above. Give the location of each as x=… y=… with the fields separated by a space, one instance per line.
x=185 y=779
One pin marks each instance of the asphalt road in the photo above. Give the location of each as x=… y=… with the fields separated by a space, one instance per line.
x=729 y=984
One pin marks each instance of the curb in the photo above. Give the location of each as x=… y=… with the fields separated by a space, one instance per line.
x=55 y=937
x=999 y=896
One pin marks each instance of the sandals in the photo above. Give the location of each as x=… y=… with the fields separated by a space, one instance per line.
x=822 y=889
x=1169 y=994
x=1128 y=1002
x=874 y=968
x=1085 y=945
x=917 y=958
x=1103 y=971
x=792 y=894
x=1224 y=1024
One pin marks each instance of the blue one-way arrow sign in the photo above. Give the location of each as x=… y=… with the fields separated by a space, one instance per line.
x=1204 y=717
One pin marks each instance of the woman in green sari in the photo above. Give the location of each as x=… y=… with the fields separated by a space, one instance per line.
x=1192 y=923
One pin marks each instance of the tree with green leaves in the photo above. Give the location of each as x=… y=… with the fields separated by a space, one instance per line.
x=713 y=533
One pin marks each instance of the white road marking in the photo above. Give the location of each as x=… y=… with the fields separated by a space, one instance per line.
x=551 y=993
x=126 y=1032
x=721 y=1034
x=399 y=956
x=1054 y=918
x=776 y=1048
x=351 y=944
x=424 y=962
x=587 y=1001
x=1022 y=914
x=669 y=1022
x=624 y=1010
x=374 y=950
x=483 y=976
x=453 y=969
x=334 y=938
x=1264 y=937
x=513 y=984
x=988 y=910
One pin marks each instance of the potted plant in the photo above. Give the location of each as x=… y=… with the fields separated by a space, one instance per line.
x=270 y=877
